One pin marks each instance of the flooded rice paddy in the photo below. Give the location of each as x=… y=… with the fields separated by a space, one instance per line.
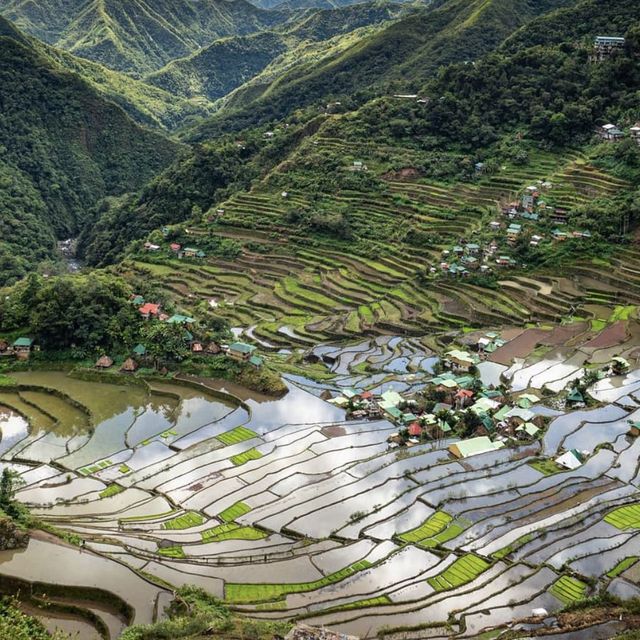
x=285 y=508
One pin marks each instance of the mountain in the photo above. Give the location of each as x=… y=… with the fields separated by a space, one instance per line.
x=62 y=148
x=137 y=36
x=228 y=63
x=146 y=104
x=399 y=58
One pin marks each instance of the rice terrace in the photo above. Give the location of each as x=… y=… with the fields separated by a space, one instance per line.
x=308 y=508
x=319 y=319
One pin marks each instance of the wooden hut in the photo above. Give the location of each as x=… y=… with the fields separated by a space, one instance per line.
x=129 y=366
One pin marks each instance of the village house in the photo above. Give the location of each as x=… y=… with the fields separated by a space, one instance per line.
x=634 y=132
x=505 y=261
x=191 y=252
x=137 y=299
x=178 y=318
x=559 y=216
x=604 y=46
x=528 y=200
x=149 y=310
x=513 y=232
x=149 y=246
x=610 y=133
x=240 y=351
x=474 y=447
x=139 y=351
x=22 y=348
x=570 y=460
x=175 y=247
x=459 y=360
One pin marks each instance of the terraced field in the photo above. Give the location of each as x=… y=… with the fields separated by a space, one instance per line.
x=290 y=511
x=292 y=285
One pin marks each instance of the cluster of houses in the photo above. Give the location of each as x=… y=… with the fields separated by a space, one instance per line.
x=496 y=419
x=152 y=311
x=613 y=133
x=455 y=402
x=239 y=351
x=175 y=247
x=467 y=257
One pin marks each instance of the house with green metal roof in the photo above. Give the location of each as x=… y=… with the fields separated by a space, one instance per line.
x=22 y=347
x=140 y=350
x=178 y=318
x=474 y=447
x=241 y=351
x=575 y=396
x=256 y=361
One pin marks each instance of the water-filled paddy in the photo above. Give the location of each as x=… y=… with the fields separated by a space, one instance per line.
x=130 y=460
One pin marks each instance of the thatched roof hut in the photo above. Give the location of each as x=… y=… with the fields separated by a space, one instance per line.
x=129 y=366
x=104 y=362
x=213 y=348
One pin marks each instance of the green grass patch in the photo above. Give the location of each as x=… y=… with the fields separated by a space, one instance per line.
x=111 y=490
x=568 y=590
x=172 y=552
x=627 y=517
x=433 y=525
x=185 y=521
x=597 y=324
x=437 y=529
x=246 y=456
x=234 y=511
x=123 y=468
x=516 y=544
x=7 y=381
x=623 y=313
x=248 y=593
x=546 y=467
x=239 y=434
x=462 y=571
x=232 y=531
x=622 y=566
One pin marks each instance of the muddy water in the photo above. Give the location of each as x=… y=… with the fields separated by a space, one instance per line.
x=52 y=563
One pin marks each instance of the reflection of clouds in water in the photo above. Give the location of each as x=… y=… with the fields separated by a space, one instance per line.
x=297 y=407
x=13 y=428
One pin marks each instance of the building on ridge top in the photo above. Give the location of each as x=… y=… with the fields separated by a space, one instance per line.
x=604 y=46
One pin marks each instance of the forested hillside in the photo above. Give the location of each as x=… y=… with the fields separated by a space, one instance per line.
x=137 y=36
x=63 y=147
x=218 y=69
x=400 y=58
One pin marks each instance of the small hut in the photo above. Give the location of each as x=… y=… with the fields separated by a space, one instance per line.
x=213 y=348
x=129 y=366
x=105 y=362
x=196 y=347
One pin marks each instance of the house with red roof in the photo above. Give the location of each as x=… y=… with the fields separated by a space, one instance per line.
x=415 y=430
x=149 y=310
x=174 y=246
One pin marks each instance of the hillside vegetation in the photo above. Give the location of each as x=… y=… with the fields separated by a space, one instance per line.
x=399 y=58
x=136 y=36
x=63 y=148
x=228 y=63
x=310 y=242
